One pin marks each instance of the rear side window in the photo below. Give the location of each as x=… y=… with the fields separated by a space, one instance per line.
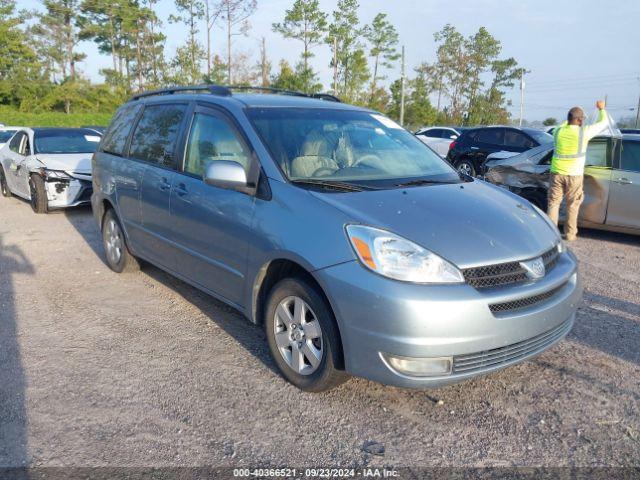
x=155 y=136
x=631 y=156
x=116 y=135
x=493 y=136
x=512 y=138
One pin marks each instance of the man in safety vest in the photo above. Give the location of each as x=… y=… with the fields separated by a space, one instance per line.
x=567 y=165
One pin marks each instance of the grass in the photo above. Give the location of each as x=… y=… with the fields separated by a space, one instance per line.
x=10 y=116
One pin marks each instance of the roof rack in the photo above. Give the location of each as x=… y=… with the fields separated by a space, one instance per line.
x=213 y=89
x=320 y=96
x=225 y=91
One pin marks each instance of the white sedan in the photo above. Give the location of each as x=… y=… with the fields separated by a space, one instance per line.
x=438 y=138
x=50 y=167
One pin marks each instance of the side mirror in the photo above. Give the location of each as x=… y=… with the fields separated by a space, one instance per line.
x=225 y=174
x=454 y=137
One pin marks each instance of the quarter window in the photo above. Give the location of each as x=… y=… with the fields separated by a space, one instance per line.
x=631 y=156
x=116 y=136
x=213 y=139
x=155 y=136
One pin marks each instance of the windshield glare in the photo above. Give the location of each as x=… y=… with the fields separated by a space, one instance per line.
x=66 y=141
x=346 y=145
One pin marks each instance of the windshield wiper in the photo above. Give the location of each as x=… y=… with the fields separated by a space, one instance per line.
x=347 y=187
x=416 y=183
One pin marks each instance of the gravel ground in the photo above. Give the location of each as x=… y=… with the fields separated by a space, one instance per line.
x=100 y=369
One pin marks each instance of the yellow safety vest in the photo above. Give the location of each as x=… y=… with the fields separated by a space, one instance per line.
x=570 y=145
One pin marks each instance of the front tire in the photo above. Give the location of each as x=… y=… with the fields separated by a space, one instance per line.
x=119 y=258
x=38 y=194
x=4 y=188
x=466 y=167
x=303 y=337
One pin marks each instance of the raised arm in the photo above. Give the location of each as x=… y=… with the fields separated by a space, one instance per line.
x=601 y=123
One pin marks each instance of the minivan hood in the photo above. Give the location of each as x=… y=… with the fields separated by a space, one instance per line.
x=69 y=162
x=469 y=224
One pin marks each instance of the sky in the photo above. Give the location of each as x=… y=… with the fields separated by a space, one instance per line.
x=575 y=51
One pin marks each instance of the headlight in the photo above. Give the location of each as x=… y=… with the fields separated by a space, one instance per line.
x=54 y=174
x=398 y=258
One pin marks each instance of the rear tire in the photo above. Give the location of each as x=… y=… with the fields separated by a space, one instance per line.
x=4 y=188
x=38 y=194
x=304 y=342
x=466 y=167
x=119 y=258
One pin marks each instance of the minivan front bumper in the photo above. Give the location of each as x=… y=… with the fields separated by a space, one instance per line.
x=381 y=319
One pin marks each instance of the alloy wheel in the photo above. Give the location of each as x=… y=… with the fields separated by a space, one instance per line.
x=298 y=335
x=465 y=168
x=113 y=241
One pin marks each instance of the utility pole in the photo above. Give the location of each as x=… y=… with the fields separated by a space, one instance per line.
x=263 y=63
x=521 y=96
x=402 y=90
x=335 y=65
x=638 y=113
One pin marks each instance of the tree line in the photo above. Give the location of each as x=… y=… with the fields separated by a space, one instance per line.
x=39 y=54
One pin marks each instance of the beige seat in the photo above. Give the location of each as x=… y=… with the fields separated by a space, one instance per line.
x=316 y=154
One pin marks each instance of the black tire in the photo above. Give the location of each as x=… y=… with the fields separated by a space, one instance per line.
x=327 y=375
x=38 y=194
x=466 y=166
x=113 y=240
x=4 y=188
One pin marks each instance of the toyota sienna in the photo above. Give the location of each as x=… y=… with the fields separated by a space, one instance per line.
x=359 y=250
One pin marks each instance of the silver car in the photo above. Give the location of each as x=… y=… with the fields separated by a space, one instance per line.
x=50 y=167
x=611 y=180
x=358 y=249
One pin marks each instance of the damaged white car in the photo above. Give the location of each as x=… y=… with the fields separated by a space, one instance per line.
x=50 y=167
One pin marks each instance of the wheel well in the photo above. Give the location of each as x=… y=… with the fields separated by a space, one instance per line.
x=106 y=206
x=278 y=270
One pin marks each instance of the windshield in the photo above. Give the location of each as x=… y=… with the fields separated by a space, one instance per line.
x=5 y=135
x=66 y=141
x=318 y=144
x=541 y=137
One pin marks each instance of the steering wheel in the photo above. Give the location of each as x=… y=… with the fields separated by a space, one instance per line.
x=323 y=172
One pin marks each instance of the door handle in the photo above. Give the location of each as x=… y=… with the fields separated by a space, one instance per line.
x=623 y=181
x=475 y=148
x=182 y=192
x=164 y=185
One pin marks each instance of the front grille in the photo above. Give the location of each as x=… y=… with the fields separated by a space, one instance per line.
x=499 y=356
x=508 y=273
x=515 y=305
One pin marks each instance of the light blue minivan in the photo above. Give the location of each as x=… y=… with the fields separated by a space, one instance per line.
x=359 y=249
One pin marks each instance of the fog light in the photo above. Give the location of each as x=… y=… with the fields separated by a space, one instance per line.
x=418 y=367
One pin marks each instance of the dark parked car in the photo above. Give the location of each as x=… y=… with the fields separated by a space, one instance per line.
x=469 y=152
